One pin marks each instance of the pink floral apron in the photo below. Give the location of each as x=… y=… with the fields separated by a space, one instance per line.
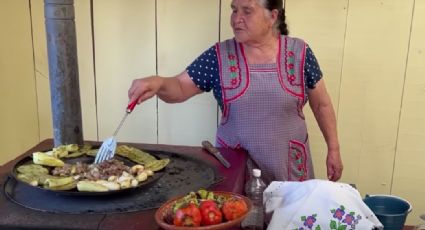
x=262 y=109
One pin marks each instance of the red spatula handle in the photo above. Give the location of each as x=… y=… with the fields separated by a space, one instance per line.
x=131 y=106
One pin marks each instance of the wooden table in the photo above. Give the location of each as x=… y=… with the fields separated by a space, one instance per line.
x=13 y=216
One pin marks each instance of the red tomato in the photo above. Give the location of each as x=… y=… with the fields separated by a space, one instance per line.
x=188 y=215
x=234 y=208
x=210 y=213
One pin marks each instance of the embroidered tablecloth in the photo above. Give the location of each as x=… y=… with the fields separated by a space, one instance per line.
x=317 y=204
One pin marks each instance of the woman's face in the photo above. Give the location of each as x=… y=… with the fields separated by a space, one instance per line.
x=250 y=21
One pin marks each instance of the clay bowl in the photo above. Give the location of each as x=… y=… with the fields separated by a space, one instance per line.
x=163 y=215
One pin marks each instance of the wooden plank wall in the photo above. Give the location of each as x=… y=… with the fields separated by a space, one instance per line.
x=408 y=179
x=371 y=53
x=186 y=28
x=18 y=95
x=85 y=66
x=124 y=39
x=371 y=88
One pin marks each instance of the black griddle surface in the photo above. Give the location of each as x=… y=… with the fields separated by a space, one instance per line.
x=182 y=175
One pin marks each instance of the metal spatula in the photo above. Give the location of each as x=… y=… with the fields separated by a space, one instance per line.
x=107 y=150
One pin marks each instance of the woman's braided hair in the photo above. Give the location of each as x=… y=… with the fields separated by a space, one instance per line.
x=278 y=4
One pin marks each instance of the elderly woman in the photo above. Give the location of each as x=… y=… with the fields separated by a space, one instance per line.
x=261 y=80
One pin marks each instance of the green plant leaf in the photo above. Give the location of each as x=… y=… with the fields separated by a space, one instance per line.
x=332 y=225
x=342 y=227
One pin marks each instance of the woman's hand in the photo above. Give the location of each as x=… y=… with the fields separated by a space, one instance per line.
x=144 y=88
x=334 y=165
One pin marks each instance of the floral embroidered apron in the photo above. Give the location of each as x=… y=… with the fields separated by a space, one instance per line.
x=262 y=109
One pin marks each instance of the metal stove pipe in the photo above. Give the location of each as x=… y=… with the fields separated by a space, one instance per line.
x=63 y=71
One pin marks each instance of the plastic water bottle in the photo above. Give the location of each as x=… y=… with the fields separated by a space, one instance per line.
x=254 y=189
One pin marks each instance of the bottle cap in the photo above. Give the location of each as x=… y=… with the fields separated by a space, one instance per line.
x=256 y=172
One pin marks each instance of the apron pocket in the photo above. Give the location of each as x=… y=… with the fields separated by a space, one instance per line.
x=297 y=161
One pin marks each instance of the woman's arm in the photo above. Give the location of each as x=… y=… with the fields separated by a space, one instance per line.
x=324 y=113
x=170 y=89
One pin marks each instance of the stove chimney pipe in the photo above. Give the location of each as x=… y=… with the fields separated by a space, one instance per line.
x=63 y=71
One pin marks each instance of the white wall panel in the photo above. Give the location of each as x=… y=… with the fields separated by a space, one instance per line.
x=409 y=180
x=124 y=33
x=372 y=81
x=186 y=28
x=39 y=38
x=83 y=28
x=226 y=31
x=18 y=103
x=44 y=106
x=41 y=69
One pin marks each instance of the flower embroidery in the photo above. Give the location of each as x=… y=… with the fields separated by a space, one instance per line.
x=339 y=213
x=348 y=221
x=298 y=161
x=234 y=70
x=356 y=221
x=310 y=221
x=234 y=81
x=297 y=155
x=300 y=167
x=291 y=67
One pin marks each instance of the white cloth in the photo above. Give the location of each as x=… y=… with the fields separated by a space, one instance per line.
x=317 y=204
